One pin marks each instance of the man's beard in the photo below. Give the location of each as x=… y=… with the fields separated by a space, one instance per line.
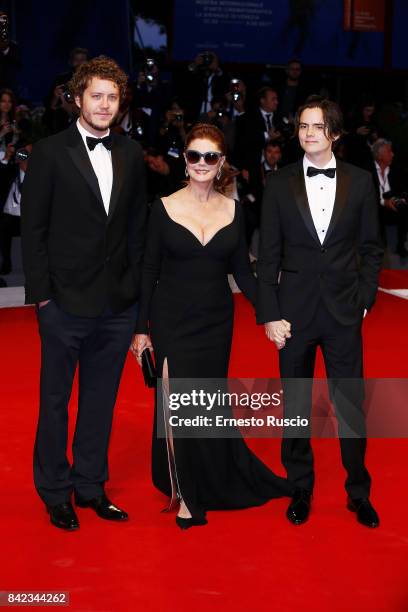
x=99 y=128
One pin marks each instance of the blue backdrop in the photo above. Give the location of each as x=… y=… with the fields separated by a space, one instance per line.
x=272 y=31
x=48 y=30
x=399 y=35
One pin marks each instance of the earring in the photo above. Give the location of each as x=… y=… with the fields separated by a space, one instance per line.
x=186 y=172
x=219 y=173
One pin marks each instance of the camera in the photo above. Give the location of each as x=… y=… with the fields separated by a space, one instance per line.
x=149 y=68
x=21 y=155
x=208 y=58
x=234 y=86
x=138 y=131
x=286 y=128
x=221 y=112
x=399 y=200
x=68 y=97
x=178 y=116
x=4 y=28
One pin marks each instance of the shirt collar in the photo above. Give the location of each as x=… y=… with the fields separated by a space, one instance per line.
x=268 y=167
x=264 y=112
x=379 y=171
x=330 y=164
x=84 y=133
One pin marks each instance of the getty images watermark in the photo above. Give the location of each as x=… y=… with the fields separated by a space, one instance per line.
x=214 y=401
x=347 y=408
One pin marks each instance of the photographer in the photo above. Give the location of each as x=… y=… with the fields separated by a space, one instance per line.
x=205 y=80
x=151 y=95
x=251 y=186
x=363 y=131
x=392 y=188
x=172 y=133
x=12 y=172
x=8 y=127
x=9 y=55
x=257 y=127
x=164 y=173
x=60 y=107
x=131 y=122
x=165 y=164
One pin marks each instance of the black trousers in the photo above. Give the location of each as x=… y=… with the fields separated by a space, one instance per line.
x=342 y=352
x=99 y=346
x=9 y=227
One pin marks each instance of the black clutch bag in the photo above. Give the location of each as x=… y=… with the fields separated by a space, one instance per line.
x=149 y=369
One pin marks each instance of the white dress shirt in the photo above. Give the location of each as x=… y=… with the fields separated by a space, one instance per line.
x=321 y=193
x=206 y=105
x=383 y=181
x=101 y=160
x=265 y=118
x=12 y=205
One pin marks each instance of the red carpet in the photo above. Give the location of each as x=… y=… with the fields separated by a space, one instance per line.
x=252 y=559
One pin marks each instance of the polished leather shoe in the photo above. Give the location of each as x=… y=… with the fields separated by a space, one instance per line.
x=299 y=508
x=63 y=516
x=366 y=515
x=103 y=508
x=186 y=523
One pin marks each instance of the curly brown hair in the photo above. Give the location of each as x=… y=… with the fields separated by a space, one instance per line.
x=102 y=67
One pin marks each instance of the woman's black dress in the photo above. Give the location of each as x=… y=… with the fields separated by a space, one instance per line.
x=187 y=307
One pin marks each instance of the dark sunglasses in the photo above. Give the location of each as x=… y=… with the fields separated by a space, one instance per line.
x=210 y=158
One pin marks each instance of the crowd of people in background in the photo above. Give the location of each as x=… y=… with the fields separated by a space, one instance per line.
x=257 y=119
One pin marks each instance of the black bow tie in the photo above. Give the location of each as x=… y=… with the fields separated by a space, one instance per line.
x=106 y=141
x=330 y=172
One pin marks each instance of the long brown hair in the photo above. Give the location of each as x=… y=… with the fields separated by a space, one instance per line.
x=214 y=134
x=10 y=93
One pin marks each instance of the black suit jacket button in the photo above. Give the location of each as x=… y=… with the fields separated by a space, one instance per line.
x=323 y=250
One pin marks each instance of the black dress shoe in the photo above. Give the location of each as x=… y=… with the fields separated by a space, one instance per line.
x=299 y=508
x=366 y=515
x=103 y=508
x=186 y=523
x=63 y=516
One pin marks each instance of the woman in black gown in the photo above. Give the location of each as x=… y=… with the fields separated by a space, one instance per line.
x=195 y=238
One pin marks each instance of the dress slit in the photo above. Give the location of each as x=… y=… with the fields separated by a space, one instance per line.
x=175 y=496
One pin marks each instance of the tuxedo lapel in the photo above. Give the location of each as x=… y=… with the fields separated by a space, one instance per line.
x=118 y=167
x=80 y=158
x=299 y=189
x=342 y=190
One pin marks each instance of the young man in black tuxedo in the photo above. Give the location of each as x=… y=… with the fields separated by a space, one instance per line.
x=83 y=219
x=320 y=235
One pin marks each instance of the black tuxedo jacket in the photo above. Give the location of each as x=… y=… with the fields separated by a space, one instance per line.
x=73 y=251
x=251 y=138
x=295 y=270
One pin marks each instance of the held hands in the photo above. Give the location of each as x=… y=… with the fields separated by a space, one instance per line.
x=278 y=332
x=139 y=343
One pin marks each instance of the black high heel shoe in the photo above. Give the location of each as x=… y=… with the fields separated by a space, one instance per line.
x=186 y=523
